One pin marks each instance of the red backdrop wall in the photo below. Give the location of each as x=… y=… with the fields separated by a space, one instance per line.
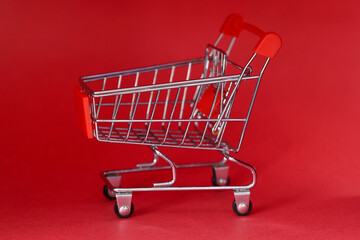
x=303 y=135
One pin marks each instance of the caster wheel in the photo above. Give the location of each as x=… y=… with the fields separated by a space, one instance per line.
x=245 y=210
x=124 y=212
x=108 y=193
x=223 y=182
x=215 y=183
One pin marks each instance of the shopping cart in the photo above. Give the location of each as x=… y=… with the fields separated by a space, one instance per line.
x=186 y=104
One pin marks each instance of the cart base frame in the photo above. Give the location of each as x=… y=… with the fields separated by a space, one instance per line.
x=124 y=207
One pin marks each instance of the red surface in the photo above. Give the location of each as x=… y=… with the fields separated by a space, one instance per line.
x=303 y=135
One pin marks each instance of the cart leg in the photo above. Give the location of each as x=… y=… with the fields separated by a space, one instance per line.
x=153 y=163
x=247 y=166
x=173 y=169
x=221 y=175
x=123 y=205
x=242 y=205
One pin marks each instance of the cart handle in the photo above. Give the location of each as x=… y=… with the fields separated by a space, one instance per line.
x=269 y=44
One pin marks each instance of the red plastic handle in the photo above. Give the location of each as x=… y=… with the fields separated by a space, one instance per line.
x=232 y=25
x=83 y=112
x=269 y=43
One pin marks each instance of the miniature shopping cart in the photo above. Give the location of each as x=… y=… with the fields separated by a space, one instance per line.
x=188 y=104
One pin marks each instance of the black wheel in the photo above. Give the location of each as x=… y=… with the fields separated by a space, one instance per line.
x=215 y=183
x=242 y=213
x=126 y=213
x=108 y=193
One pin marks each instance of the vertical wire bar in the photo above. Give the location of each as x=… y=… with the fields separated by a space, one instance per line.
x=217 y=42
x=152 y=115
x=151 y=95
x=171 y=115
x=184 y=94
x=206 y=64
x=95 y=122
x=210 y=113
x=101 y=98
x=228 y=91
x=218 y=39
x=133 y=96
x=191 y=116
x=230 y=46
x=133 y=114
x=204 y=74
x=168 y=93
x=218 y=68
x=223 y=64
x=223 y=102
x=224 y=124
x=221 y=97
x=222 y=127
x=116 y=107
x=213 y=52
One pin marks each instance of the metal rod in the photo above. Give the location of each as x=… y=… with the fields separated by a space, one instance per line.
x=230 y=46
x=116 y=106
x=237 y=84
x=218 y=39
x=173 y=169
x=151 y=94
x=132 y=116
x=170 y=120
x=184 y=94
x=152 y=116
x=133 y=96
x=156 y=87
x=168 y=92
x=172 y=113
x=252 y=103
x=99 y=105
x=141 y=70
x=210 y=114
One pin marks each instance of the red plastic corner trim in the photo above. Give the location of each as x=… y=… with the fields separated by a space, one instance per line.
x=206 y=101
x=83 y=112
x=232 y=25
x=269 y=45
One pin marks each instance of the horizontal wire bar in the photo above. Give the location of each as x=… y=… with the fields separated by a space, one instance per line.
x=166 y=86
x=168 y=120
x=180 y=188
x=141 y=70
x=226 y=146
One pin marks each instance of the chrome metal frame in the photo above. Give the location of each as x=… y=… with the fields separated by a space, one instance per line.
x=181 y=123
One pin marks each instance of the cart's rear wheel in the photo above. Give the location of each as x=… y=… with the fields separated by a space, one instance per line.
x=221 y=182
x=124 y=211
x=108 y=193
x=225 y=183
x=244 y=208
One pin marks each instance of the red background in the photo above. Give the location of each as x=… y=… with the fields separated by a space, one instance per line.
x=303 y=136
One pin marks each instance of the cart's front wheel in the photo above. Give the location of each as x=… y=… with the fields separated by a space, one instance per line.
x=108 y=193
x=123 y=211
x=243 y=209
